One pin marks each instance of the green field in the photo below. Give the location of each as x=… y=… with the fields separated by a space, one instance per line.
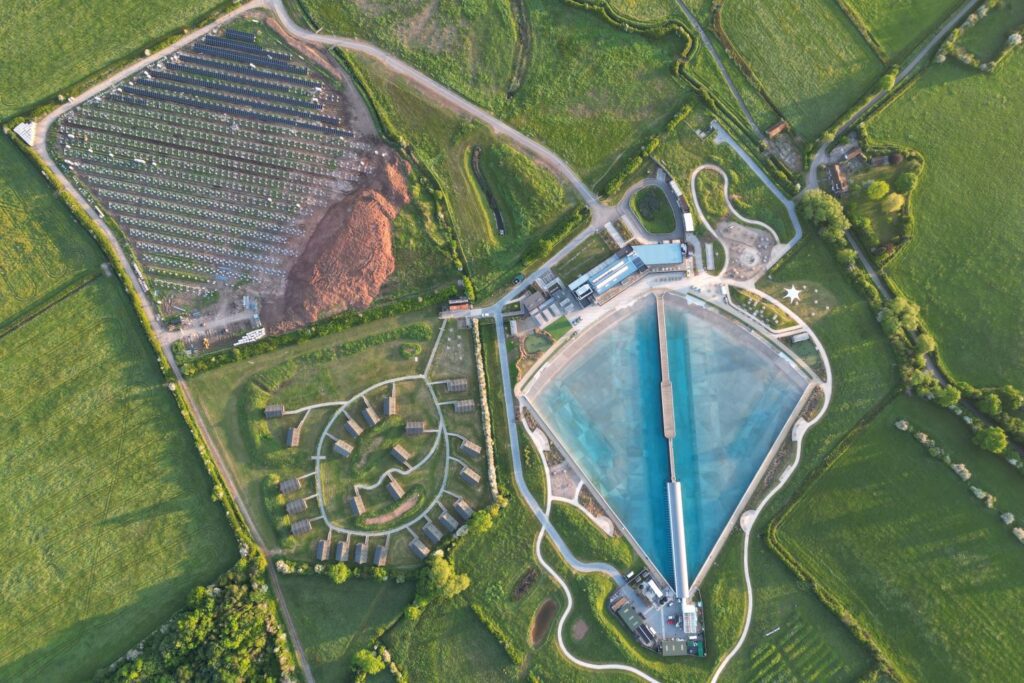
x=986 y=38
x=647 y=10
x=587 y=255
x=809 y=57
x=334 y=621
x=529 y=197
x=967 y=203
x=652 y=207
x=107 y=515
x=899 y=26
x=588 y=542
x=49 y=46
x=900 y=541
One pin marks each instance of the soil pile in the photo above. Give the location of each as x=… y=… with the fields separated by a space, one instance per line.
x=349 y=256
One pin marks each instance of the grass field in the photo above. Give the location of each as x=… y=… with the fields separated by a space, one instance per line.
x=967 y=203
x=335 y=621
x=647 y=10
x=529 y=197
x=589 y=543
x=986 y=38
x=49 y=46
x=809 y=57
x=108 y=521
x=587 y=255
x=652 y=207
x=899 y=26
x=947 y=609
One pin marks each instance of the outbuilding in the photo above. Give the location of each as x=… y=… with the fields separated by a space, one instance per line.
x=353 y=428
x=294 y=507
x=419 y=548
x=390 y=406
x=289 y=486
x=380 y=555
x=432 y=532
x=467 y=405
x=355 y=503
x=362 y=553
x=341 y=551
x=470 y=476
x=273 y=410
x=463 y=509
x=293 y=437
x=470 y=448
x=399 y=453
x=370 y=415
x=342 y=448
x=448 y=522
x=303 y=526
x=457 y=385
x=415 y=427
x=322 y=551
x=395 y=489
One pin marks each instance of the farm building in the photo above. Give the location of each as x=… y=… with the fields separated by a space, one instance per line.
x=432 y=532
x=273 y=410
x=353 y=428
x=415 y=427
x=293 y=437
x=470 y=448
x=395 y=489
x=355 y=503
x=448 y=522
x=463 y=509
x=322 y=551
x=390 y=406
x=380 y=555
x=399 y=453
x=341 y=551
x=419 y=548
x=470 y=476
x=777 y=130
x=456 y=385
x=370 y=415
x=342 y=448
x=459 y=304
x=303 y=526
x=294 y=507
x=362 y=553
x=465 y=406
x=837 y=179
x=289 y=486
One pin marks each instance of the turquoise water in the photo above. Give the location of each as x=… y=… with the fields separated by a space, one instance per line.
x=732 y=397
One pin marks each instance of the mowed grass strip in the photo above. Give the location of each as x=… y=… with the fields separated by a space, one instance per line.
x=48 y=46
x=807 y=54
x=105 y=514
x=42 y=248
x=899 y=540
x=963 y=264
x=900 y=26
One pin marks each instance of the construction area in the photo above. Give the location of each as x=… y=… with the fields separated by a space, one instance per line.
x=247 y=178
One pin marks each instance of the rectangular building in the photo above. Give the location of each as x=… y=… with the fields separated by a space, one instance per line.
x=289 y=486
x=395 y=489
x=432 y=532
x=355 y=503
x=273 y=410
x=353 y=428
x=467 y=405
x=419 y=548
x=399 y=453
x=470 y=476
x=470 y=448
x=303 y=526
x=293 y=437
x=463 y=509
x=448 y=522
x=380 y=555
x=362 y=553
x=390 y=406
x=294 y=507
x=341 y=551
x=342 y=448
x=415 y=427
x=322 y=550
x=370 y=415
x=457 y=385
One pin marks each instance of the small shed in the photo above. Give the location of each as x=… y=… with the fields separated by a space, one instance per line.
x=470 y=448
x=470 y=476
x=294 y=507
x=395 y=489
x=362 y=553
x=355 y=503
x=415 y=427
x=467 y=405
x=432 y=532
x=289 y=486
x=448 y=522
x=273 y=410
x=380 y=555
x=370 y=415
x=342 y=448
x=390 y=406
x=419 y=548
x=456 y=385
x=303 y=526
x=293 y=437
x=777 y=130
x=463 y=509
x=353 y=428
x=399 y=453
x=341 y=551
x=322 y=551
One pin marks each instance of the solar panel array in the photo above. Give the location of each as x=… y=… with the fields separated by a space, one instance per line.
x=214 y=160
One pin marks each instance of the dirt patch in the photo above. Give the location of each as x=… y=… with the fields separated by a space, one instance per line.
x=349 y=256
x=406 y=505
x=579 y=630
x=542 y=622
x=525 y=583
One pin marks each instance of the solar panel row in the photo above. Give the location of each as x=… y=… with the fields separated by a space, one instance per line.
x=240 y=35
x=195 y=92
x=223 y=87
x=247 y=48
x=248 y=59
x=192 y=59
x=231 y=78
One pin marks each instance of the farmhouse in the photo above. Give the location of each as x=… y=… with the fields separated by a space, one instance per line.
x=415 y=427
x=470 y=476
x=399 y=453
x=395 y=489
x=419 y=548
x=303 y=526
x=432 y=532
x=294 y=507
x=448 y=522
x=370 y=415
x=362 y=553
x=293 y=437
x=289 y=486
x=470 y=448
x=342 y=448
x=380 y=555
x=463 y=509
x=837 y=179
x=341 y=551
x=454 y=386
x=355 y=503
x=273 y=410
x=465 y=406
x=353 y=428
x=322 y=551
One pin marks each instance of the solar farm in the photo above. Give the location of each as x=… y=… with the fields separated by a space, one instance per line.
x=218 y=163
